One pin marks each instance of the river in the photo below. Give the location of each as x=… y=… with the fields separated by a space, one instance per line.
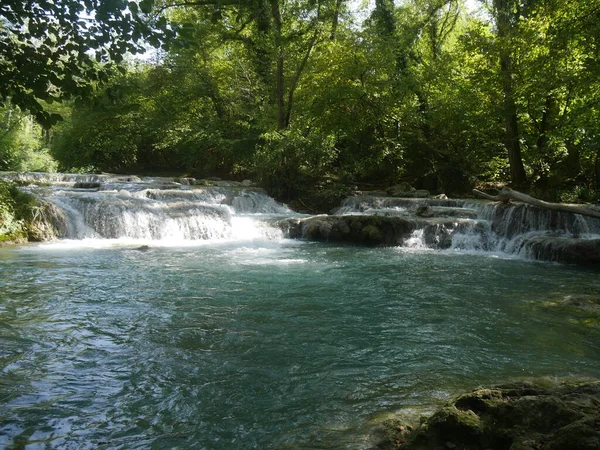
x=256 y=341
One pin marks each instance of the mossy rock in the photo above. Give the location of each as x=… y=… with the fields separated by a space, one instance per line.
x=519 y=416
x=371 y=233
x=399 y=189
x=447 y=427
x=391 y=432
x=363 y=230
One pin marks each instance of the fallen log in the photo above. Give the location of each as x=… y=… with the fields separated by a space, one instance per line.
x=507 y=194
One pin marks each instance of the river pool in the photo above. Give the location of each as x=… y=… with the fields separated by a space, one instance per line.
x=265 y=343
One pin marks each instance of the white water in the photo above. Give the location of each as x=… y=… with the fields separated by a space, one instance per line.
x=122 y=210
x=479 y=227
x=126 y=210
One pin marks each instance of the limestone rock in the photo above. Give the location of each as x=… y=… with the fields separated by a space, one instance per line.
x=48 y=222
x=365 y=230
x=564 y=249
x=518 y=416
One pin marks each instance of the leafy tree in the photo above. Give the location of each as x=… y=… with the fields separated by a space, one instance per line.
x=297 y=95
x=23 y=143
x=50 y=51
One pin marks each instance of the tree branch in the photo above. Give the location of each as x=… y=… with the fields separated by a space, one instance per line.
x=202 y=3
x=507 y=194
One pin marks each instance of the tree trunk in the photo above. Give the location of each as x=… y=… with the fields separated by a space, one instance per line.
x=597 y=168
x=279 y=74
x=546 y=125
x=335 y=19
x=507 y=194
x=295 y=81
x=505 y=21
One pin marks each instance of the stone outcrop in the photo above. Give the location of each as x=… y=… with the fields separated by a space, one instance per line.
x=376 y=230
x=48 y=222
x=515 y=228
x=519 y=416
x=357 y=229
x=564 y=249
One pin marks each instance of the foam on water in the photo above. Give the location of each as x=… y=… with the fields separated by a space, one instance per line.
x=155 y=211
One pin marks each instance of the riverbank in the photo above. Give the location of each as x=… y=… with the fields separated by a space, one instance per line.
x=27 y=218
x=12 y=225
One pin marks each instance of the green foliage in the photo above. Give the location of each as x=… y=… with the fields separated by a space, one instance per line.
x=22 y=216
x=12 y=227
x=297 y=95
x=82 y=39
x=155 y=120
x=289 y=163
x=22 y=143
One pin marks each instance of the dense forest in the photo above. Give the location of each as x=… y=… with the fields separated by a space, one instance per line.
x=310 y=98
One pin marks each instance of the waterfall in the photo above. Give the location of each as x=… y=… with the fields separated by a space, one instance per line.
x=155 y=209
x=530 y=232
x=514 y=229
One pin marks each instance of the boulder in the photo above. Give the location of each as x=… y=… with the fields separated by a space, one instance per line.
x=556 y=415
x=564 y=249
x=87 y=185
x=47 y=223
x=365 y=230
x=185 y=181
x=399 y=189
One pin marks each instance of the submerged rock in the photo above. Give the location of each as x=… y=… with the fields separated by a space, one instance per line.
x=519 y=416
x=583 y=309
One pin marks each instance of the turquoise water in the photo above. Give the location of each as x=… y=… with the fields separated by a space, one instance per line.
x=280 y=345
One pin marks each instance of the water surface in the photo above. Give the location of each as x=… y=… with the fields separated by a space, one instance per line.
x=264 y=344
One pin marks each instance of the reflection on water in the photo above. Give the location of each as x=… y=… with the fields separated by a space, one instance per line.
x=263 y=344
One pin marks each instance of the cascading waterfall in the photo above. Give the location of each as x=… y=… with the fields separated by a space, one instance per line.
x=180 y=210
x=478 y=226
x=156 y=209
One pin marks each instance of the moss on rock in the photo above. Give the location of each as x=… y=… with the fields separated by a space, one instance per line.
x=364 y=230
x=549 y=415
x=583 y=309
x=24 y=217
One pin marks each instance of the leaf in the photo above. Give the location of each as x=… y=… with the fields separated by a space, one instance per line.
x=146 y=6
